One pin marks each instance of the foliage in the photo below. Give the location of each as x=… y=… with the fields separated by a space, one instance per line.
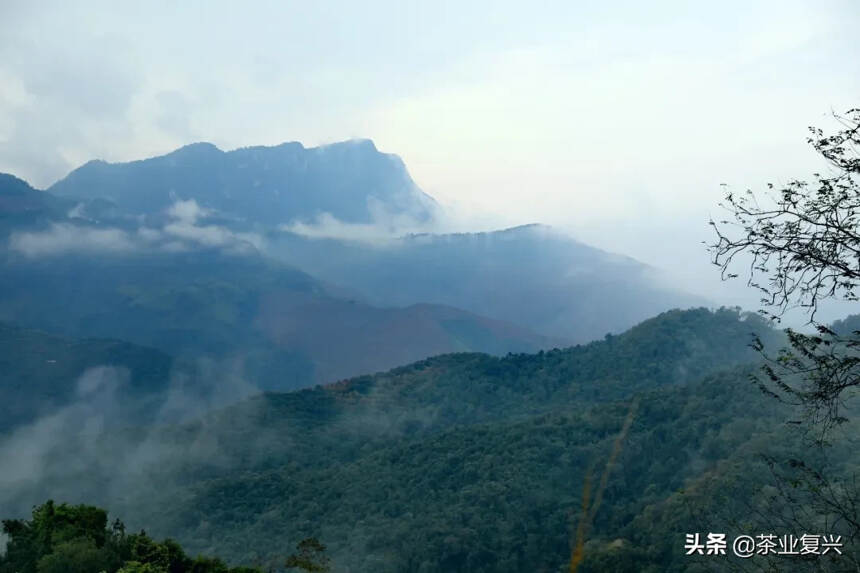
x=818 y=373
x=76 y=539
x=309 y=556
x=472 y=463
x=804 y=246
x=805 y=243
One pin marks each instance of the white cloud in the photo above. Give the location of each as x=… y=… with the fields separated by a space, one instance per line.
x=385 y=225
x=185 y=227
x=66 y=238
x=618 y=120
x=187 y=211
x=181 y=234
x=61 y=452
x=211 y=235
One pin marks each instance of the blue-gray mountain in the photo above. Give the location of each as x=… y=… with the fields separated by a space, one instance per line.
x=23 y=206
x=351 y=180
x=104 y=254
x=530 y=275
x=281 y=327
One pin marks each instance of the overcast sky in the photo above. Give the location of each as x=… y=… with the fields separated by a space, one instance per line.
x=615 y=120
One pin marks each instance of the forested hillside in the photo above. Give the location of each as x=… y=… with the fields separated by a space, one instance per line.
x=77 y=539
x=286 y=329
x=40 y=372
x=467 y=462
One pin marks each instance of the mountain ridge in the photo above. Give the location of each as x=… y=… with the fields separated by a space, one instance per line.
x=289 y=327
x=574 y=291
x=350 y=180
x=456 y=439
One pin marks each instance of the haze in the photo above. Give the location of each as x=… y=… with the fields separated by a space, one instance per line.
x=616 y=123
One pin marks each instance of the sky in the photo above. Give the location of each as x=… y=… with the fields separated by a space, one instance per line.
x=616 y=121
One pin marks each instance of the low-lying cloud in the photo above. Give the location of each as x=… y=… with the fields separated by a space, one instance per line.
x=182 y=232
x=86 y=451
x=385 y=224
x=63 y=238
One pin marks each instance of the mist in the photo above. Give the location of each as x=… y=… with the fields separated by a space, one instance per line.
x=584 y=118
x=184 y=230
x=108 y=445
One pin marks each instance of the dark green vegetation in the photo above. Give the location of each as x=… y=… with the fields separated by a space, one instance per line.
x=468 y=462
x=77 y=539
x=799 y=244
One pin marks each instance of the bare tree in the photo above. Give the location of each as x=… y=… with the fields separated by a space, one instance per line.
x=802 y=245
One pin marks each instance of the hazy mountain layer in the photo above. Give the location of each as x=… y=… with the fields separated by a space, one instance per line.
x=22 y=206
x=277 y=326
x=165 y=252
x=350 y=181
x=532 y=275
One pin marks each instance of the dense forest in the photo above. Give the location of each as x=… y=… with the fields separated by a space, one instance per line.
x=78 y=539
x=467 y=462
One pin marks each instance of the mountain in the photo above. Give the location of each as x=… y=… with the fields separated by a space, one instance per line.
x=174 y=252
x=506 y=496
x=532 y=275
x=23 y=206
x=279 y=326
x=40 y=372
x=846 y=326
x=17 y=197
x=351 y=181
x=188 y=284
x=463 y=462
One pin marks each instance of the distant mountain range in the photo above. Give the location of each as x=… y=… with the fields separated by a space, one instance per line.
x=198 y=253
x=531 y=275
x=23 y=206
x=350 y=181
x=285 y=327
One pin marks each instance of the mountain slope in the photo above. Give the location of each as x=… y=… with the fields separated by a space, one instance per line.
x=502 y=496
x=282 y=328
x=23 y=206
x=462 y=462
x=40 y=372
x=532 y=275
x=351 y=181
x=475 y=464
